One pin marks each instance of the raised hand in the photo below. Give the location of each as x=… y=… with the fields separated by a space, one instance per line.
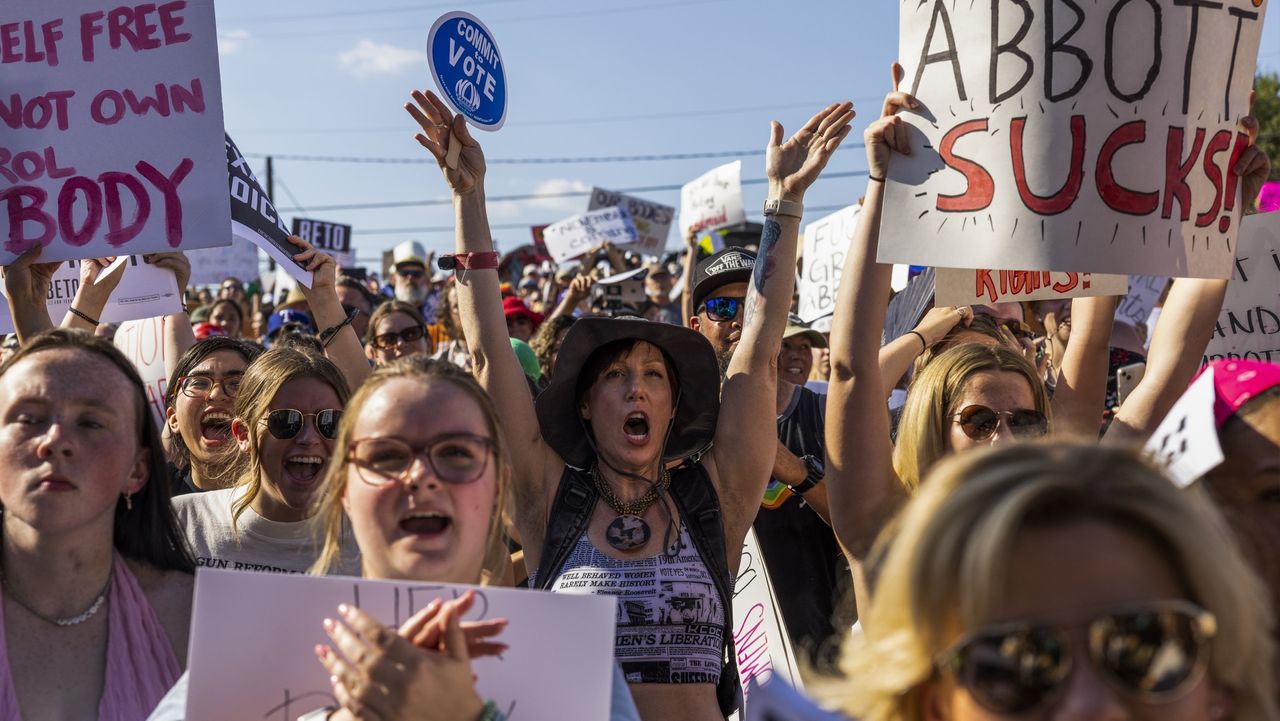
x=888 y=134
x=27 y=281
x=175 y=262
x=1253 y=166
x=440 y=129
x=324 y=272
x=426 y=629
x=792 y=166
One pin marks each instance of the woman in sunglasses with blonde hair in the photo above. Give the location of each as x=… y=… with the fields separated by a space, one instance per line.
x=1060 y=581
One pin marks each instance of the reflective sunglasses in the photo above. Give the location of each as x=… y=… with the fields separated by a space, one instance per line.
x=1153 y=653
x=456 y=458
x=384 y=341
x=202 y=386
x=286 y=423
x=980 y=422
x=723 y=309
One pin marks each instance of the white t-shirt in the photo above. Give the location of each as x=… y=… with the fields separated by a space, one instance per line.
x=263 y=545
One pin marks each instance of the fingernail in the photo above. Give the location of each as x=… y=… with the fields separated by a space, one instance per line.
x=344 y=609
x=328 y=624
x=333 y=681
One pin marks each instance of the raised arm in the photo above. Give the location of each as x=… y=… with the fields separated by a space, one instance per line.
x=897 y=355
x=744 y=450
x=689 y=266
x=178 y=335
x=1082 y=372
x=27 y=283
x=341 y=344
x=92 y=294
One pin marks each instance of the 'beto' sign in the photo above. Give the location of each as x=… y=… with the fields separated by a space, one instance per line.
x=468 y=69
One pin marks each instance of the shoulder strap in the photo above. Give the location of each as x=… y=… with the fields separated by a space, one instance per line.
x=695 y=497
x=570 y=513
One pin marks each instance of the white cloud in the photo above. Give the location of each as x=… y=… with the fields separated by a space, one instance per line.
x=368 y=58
x=230 y=41
x=550 y=209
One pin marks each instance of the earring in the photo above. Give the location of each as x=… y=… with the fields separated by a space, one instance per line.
x=1216 y=711
x=128 y=501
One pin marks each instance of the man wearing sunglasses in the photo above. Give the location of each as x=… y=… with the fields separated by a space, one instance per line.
x=410 y=281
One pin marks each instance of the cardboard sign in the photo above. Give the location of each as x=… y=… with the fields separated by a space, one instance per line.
x=580 y=233
x=468 y=69
x=760 y=637
x=1073 y=136
x=332 y=238
x=714 y=199
x=142 y=342
x=267 y=670
x=1186 y=443
x=652 y=220
x=254 y=217
x=1249 y=323
x=111 y=123
x=958 y=286
x=144 y=291
x=1144 y=292
x=909 y=306
x=211 y=266
x=776 y=701
x=826 y=241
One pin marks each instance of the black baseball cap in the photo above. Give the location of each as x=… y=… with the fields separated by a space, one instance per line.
x=731 y=265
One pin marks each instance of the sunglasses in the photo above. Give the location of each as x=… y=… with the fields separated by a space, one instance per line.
x=393 y=339
x=202 y=386
x=456 y=458
x=286 y=423
x=1153 y=653
x=980 y=422
x=723 y=309
x=411 y=273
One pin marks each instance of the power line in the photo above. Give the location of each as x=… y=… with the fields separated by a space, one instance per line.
x=261 y=19
x=289 y=193
x=526 y=161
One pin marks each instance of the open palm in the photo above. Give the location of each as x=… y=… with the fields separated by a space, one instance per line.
x=792 y=166
x=440 y=129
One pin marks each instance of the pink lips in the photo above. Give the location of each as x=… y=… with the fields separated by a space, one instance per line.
x=55 y=484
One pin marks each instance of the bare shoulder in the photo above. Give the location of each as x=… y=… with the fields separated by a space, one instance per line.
x=170 y=594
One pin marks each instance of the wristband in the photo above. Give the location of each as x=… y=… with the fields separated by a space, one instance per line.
x=923 y=343
x=82 y=316
x=816 y=471
x=775 y=206
x=874 y=179
x=327 y=334
x=468 y=261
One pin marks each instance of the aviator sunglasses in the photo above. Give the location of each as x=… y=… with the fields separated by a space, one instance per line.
x=980 y=422
x=1153 y=653
x=286 y=423
x=723 y=309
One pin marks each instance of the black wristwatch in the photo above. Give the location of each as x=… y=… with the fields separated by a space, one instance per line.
x=815 y=469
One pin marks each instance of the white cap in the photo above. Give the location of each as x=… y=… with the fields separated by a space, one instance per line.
x=410 y=251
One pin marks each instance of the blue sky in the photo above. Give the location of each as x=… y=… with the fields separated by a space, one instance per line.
x=586 y=78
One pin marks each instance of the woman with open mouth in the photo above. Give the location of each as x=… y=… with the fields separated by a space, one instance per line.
x=614 y=470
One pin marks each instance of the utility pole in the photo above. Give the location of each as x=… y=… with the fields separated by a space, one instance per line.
x=271 y=195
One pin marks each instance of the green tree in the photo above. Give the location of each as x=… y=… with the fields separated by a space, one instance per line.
x=1266 y=108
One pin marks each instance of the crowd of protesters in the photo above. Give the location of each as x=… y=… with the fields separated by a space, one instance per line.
x=956 y=522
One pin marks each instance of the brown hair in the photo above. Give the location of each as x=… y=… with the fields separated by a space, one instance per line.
x=386 y=309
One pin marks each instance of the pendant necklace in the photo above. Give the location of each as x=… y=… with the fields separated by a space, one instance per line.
x=75 y=620
x=629 y=530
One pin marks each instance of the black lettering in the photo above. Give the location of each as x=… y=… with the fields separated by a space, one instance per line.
x=1010 y=47
x=1057 y=45
x=1156 y=52
x=1195 y=6
x=950 y=54
x=1240 y=16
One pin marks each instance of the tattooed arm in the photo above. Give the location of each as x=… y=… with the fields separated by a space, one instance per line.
x=746 y=438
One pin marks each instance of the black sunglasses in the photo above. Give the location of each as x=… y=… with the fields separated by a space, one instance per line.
x=411 y=273
x=286 y=423
x=1153 y=653
x=980 y=422
x=384 y=341
x=723 y=309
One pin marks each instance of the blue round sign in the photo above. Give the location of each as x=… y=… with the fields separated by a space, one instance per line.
x=468 y=69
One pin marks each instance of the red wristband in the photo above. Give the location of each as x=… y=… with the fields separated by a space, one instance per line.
x=469 y=261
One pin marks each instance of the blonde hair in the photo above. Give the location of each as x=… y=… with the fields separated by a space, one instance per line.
x=333 y=487
x=262 y=380
x=944 y=562
x=933 y=394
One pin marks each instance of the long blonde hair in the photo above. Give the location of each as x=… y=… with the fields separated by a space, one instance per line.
x=944 y=564
x=931 y=399
x=334 y=485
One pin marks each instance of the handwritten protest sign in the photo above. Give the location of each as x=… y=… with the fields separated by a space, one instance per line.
x=332 y=238
x=763 y=647
x=714 y=199
x=468 y=69
x=142 y=342
x=144 y=291
x=1249 y=324
x=112 y=115
x=826 y=241
x=255 y=219
x=1144 y=292
x=958 y=286
x=267 y=669
x=652 y=220
x=213 y=265
x=1186 y=442
x=580 y=233
x=1073 y=136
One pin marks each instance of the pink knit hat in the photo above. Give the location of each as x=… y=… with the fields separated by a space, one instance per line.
x=1237 y=381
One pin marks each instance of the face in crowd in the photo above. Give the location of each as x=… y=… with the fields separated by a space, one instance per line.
x=397 y=335
x=720 y=321
x=520 y=327
x=351 y=298
x=795 y=360
x=202 y=407
x=232 y=289
x=1004 y=393
x=226 y=314
x=411 y=283
x=657 y=285
x=630 y=402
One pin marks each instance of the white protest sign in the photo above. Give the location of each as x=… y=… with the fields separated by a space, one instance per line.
x=959 y=286
x=144 y=291
x=714 y=199
x=826 y=241
x=1073 y=136
x=332 y=238
x=760 y=637
x=211 y=266
x=142 y=342
x=1186 y=442
x=580 y=233
x=112 y=122
x=254 y=218
x=1144 y=292
x=776 y=701
x=267 y=670
x=652 y=220
x=1249 y=323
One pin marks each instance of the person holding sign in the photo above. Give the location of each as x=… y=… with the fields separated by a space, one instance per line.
x=95 y=576
x=630 y=399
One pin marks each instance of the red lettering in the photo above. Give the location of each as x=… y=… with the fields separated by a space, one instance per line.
x=980 y=187
x=88 y=28
x=1070 y=190
x=32 y=159
x=192 y=99
x=145 y=104
x=1116 y=196
x=66 y=206
x=168 y=187
x=1217 y=144
x=117 y=232
x=5 y=172
x=984 y=285
x=1229 y=195
x=1072 y=280
x=20 y=214
x=170 y=22
x=1176 y=171
x=97 y=112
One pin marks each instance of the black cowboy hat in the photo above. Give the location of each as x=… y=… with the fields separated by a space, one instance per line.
x=697 y=374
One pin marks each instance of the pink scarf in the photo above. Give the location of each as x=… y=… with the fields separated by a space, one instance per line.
x=140 y=662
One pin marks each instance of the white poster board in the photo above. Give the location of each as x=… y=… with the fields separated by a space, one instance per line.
x=1249 y=323
x=714 y=199
x=1144 y=292
x=581 y=233
x=826 y=241
x=142 y=342
x=1186 y=442
x=760 y=637
x=112 y=125
x=1100 y=141
x=211 y=266
x=960 y=286
x=559 y=663
x=144 y=291
x=652 y=220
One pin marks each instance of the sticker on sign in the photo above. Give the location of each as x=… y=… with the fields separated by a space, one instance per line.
x=468 y=69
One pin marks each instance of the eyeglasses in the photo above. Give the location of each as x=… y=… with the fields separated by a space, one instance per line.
x=286 y=423
x=411 y=273
x=723 y=309
x=456 y=458
x=202 y=386
x=1153 y=653
x=980 y=422
x=391 y=340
